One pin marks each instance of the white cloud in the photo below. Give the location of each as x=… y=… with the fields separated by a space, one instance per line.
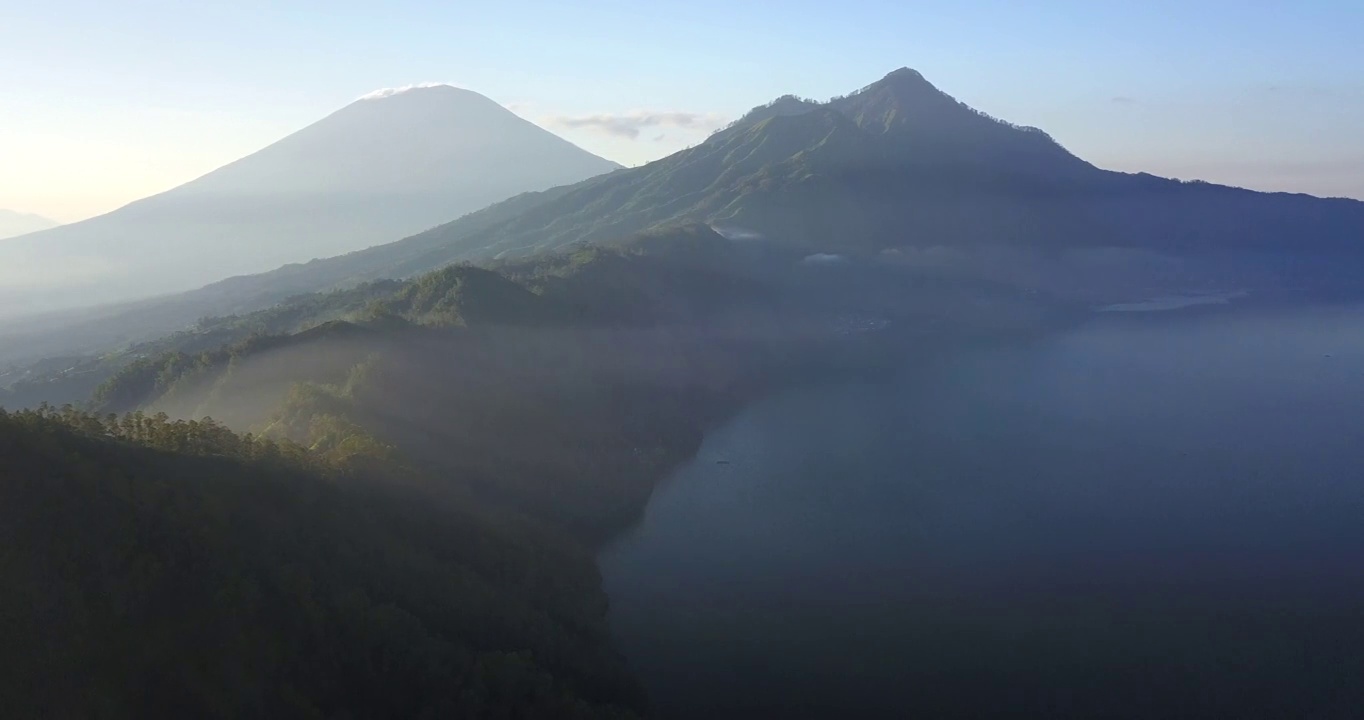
x=390 y=92
x=631 y=124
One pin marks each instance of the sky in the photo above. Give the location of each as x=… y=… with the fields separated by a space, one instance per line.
x=102 y=103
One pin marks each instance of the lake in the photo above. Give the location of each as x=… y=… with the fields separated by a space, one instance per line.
x=1151 y=515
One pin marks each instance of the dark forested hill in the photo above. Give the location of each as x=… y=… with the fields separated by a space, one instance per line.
x=173 y=569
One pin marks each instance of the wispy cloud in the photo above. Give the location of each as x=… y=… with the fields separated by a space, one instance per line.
x=1300 y=89
x=1124 y=100
x=631 y=124
x=389 y=92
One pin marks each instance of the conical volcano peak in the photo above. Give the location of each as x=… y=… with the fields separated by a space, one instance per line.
x=396 y=163
x=429 y=100
x=425 y=105
x=427 y=89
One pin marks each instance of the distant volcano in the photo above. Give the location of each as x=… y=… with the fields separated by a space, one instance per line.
x=386 y=166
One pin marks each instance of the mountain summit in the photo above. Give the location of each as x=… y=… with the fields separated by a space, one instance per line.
x=925 y=126
x=385 y=166
x=410 y=146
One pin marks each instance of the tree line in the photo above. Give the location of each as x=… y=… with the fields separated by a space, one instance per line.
x=156 y=567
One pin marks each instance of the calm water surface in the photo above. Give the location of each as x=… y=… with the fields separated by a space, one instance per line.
x=1149 y=516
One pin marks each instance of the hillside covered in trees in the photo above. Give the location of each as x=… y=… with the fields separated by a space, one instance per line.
x=405 y=527
x=158 y=568
x=561 y=386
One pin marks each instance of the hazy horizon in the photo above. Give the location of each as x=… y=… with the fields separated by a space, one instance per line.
x=1265 y=102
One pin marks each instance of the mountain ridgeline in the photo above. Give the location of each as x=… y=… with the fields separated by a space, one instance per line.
x=897 y=166
x=380 y=168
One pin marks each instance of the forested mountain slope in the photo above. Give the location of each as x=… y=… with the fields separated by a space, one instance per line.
x=157 y=568
x=408 y=531
x=559 y=382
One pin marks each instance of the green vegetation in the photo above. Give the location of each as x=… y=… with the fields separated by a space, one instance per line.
x=173 y=568
x=75 y=379
x=561 y=387
x=408 y=530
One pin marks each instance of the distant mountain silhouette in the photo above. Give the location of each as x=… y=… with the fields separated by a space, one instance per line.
x=14 y=223
x=378 y=169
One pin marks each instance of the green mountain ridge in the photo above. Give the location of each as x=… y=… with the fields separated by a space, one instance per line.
x=606 y=361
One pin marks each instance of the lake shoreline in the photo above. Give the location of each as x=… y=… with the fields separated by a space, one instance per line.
x=877 y=354
x=733 y=501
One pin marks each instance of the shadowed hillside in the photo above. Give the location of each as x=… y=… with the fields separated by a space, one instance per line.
x=157 y=568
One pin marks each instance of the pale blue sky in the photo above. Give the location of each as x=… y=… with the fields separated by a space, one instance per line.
x=105 y=101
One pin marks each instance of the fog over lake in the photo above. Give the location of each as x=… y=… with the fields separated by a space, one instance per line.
x=1152 y=514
